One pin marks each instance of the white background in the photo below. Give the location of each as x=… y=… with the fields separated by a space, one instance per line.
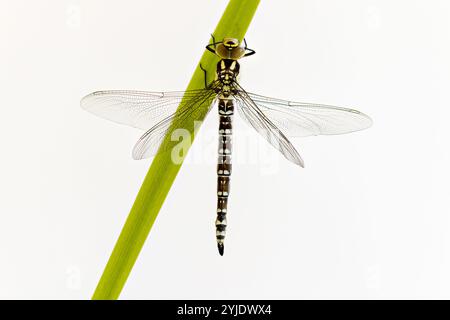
x=366 y=218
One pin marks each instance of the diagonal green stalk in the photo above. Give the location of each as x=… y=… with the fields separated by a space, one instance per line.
x=161 y=175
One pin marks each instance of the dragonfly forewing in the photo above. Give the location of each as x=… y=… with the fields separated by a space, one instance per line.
x=156 y=112
x=298 y=119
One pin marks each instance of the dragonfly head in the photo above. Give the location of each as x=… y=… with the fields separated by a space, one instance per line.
x=230 y=43
x=230 y=48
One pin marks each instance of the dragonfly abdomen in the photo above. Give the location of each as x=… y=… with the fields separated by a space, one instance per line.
x=226 y=110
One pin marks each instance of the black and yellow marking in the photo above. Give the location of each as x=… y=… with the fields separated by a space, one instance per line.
x=226 y=111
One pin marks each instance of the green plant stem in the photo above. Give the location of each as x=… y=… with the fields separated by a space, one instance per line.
x=161 y=175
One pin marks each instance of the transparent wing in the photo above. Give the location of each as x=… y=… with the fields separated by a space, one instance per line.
x=250 y=112
x=190 y=111
x=152 y=111
x=139 y=109
x=298 y=119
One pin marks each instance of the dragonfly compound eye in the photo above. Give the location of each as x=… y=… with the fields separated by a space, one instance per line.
x=230 y=43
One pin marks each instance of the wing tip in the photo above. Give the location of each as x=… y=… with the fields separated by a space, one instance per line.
x=136 y=154
x=84 y=104
x=370 y=121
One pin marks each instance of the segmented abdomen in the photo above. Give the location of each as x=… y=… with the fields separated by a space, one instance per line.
x=226 y=110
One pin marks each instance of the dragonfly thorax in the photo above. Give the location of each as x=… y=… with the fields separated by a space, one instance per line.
x=227 y=71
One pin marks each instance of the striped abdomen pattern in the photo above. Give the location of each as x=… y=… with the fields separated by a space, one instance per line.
x=226 y=110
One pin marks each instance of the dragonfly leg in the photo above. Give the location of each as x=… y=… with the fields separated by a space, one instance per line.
x=212 y=46
x=206 y=75
x=213 y=40
x=246 y=48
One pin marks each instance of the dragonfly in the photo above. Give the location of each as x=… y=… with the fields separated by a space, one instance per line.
x=274 y=119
